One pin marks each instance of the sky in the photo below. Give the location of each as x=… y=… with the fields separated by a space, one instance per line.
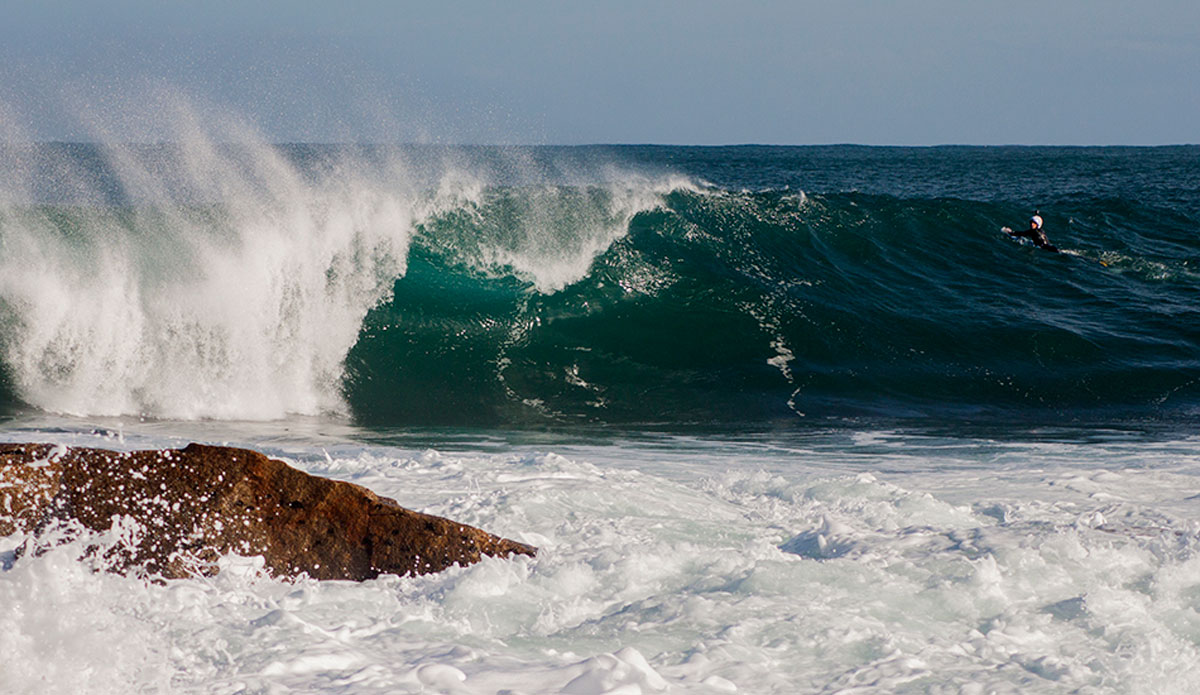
x=902 y=72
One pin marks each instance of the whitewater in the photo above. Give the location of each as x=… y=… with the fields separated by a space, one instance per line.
x=778 y=419
x=842 y=561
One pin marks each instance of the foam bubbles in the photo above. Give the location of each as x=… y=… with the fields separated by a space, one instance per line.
x=698 y=567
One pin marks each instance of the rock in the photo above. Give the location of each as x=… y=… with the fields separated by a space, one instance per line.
x=194 y=505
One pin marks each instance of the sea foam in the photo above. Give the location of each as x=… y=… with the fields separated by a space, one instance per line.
x=959 y=564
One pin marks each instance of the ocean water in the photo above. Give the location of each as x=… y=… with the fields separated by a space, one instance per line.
x=779 y=419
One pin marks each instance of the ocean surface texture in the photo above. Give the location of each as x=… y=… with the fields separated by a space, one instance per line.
x=780 y=419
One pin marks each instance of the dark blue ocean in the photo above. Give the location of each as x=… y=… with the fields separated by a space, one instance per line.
x=627 y=286
x=780 y=419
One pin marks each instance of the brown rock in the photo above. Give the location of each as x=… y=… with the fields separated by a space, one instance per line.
x=196 y=504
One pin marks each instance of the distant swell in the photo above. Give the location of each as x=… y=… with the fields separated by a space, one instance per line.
x=526 y=287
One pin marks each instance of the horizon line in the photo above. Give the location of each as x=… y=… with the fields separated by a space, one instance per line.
x=364 y=143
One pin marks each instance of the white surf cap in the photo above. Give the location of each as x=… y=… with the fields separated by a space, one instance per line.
x=1036 y=220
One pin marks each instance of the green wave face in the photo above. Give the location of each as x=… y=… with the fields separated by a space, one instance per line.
x=724 y=307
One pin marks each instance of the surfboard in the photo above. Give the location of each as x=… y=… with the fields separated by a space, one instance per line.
x=1023 y=240
x=1055 y=249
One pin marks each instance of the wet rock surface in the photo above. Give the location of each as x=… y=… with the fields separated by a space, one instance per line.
x=182 y=509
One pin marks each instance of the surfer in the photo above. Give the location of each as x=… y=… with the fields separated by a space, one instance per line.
x=1035 y=233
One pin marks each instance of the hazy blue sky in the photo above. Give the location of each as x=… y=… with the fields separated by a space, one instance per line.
x=897 y=72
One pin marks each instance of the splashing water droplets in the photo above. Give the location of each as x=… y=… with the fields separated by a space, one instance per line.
x=222 y=284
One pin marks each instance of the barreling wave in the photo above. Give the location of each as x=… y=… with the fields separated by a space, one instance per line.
x=244 y=283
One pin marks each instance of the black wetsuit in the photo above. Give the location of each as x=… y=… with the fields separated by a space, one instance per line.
x=1038 y=237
